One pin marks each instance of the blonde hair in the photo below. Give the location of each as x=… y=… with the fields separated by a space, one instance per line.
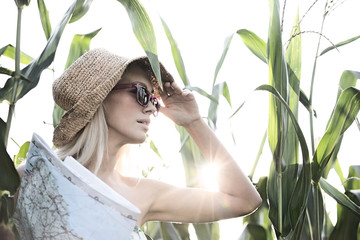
x=89 y=144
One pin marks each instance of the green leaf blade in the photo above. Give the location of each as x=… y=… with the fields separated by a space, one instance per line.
x=9 y=51
x=9 y=178
x=254 y=43
x=144 y=32
x=35 y=68
x=44 y=17
x=81 y=8
x=223 y=55
x=339 y=45
x=345 y=112
x=341 y=198
x=179 y=63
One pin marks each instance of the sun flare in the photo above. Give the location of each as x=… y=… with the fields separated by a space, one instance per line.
x=209 y=176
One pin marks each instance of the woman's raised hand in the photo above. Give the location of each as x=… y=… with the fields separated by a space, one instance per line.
x=180 y=106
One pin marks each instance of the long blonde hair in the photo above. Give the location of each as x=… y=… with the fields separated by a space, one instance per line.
x=89 y=144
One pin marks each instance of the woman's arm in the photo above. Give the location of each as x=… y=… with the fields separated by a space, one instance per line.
x=236 y=196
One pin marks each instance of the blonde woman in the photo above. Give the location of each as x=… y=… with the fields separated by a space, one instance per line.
x=110 y=102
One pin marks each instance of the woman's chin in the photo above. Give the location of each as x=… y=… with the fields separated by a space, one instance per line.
x=140 y=139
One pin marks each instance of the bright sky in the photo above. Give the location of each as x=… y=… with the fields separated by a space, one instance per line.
x=200 y=28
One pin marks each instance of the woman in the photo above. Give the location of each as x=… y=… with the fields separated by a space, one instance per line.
x=110 y=102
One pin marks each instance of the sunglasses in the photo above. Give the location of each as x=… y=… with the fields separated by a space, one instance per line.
x=143 y=96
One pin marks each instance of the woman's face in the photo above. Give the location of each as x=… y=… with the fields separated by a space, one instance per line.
x=127 y=120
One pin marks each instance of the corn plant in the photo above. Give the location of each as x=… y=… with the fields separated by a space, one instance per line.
x=292 y=192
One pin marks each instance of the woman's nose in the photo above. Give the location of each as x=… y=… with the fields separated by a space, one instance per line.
x=150 y=108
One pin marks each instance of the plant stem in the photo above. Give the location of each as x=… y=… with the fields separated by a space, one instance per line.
x=279 y=192
x=16 y=78
x=317 y=233
x=311 y=90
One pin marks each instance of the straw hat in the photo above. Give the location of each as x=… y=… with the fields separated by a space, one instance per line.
x=82 y=88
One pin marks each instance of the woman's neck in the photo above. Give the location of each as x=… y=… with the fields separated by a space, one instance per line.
x=112 y=159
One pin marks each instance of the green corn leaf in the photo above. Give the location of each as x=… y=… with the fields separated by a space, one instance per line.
x=339 y=45
x=4 y=213
x=212 y=111
x=144 y=32
x=293 y=59
x=79 y=45
x=347 y=222
x=44 y=17
x=57 y=113
x=11 y=73
x=302 y=186
x=35 y=68
x=254 y=43
x=253 y=232
x=278 y=119
x=298 y=232
x=22 y=154
x=168 y=231
x=341 y=198
x=179 y=63
x=203 y=93
x=348 y=79
x=338 y=170
x=353 y=182
x=9 y=178
x=155 y=149
x=9 y=51
x=238 y=109
x=345 y=113
x=312 y=209
x=81 y=8
x=288 y=179
x=223 y=55
x=226 y=93
x=6 y=71
x=152 y=229
x=305 y=101
x=183 y=230
x=207 y=231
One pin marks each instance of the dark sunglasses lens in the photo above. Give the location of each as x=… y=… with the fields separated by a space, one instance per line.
x=143 y=96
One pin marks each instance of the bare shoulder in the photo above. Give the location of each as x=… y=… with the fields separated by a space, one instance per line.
x=20 y=169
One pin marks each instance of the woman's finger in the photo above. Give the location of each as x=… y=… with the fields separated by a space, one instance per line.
x=176 y=88
x=169 y=89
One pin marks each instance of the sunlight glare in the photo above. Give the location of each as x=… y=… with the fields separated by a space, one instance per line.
x=208 y=177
